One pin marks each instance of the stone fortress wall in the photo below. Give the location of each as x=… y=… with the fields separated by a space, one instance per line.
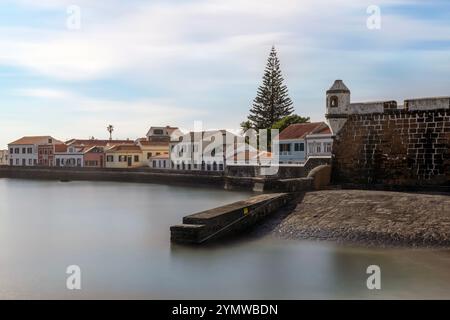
x=382 y=143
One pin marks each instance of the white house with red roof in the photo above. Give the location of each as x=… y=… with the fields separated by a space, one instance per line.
x=319 y=143
x=69 y=156
x=32 y=151
x=294 y=141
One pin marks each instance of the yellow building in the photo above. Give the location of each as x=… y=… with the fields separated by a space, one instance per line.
x=125 y=156
x=156 y=142
x=152 y=149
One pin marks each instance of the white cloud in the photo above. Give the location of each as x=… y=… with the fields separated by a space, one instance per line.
x=207 y=51
x=46 y=93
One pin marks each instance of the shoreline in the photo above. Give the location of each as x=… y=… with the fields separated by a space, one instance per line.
x=367 y=218
x=214 y=179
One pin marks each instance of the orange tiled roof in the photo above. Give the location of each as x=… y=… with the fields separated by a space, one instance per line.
x=124 y=148
x=36 y=140
x=154 y=143
x=301 y=130
x=60 y=148
x=96 y=142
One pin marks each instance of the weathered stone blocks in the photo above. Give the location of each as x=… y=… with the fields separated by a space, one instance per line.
x=401 y=147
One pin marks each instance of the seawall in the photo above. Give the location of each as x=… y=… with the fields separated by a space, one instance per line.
x=143 y=175
x=148 y=175
x=397 y=147
x=227 y=220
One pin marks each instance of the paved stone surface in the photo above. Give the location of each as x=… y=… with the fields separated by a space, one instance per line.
x=370 y=217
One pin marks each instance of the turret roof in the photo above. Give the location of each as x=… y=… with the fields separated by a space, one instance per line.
x=338 y=85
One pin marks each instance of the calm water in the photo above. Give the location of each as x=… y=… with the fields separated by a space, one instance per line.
x=118 y=233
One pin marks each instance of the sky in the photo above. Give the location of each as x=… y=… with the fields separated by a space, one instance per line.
x=70 y=71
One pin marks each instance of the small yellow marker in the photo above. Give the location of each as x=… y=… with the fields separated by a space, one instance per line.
x=246 y=211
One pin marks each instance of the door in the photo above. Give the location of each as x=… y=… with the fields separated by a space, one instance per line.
x=130 y=161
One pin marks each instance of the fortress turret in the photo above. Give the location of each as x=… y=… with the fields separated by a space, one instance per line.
x=338 y=101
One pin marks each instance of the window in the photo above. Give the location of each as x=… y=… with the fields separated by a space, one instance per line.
x=299 y=146
x=34 y=162
x=30 y=150
x=334 y=101
x=149 y=155
x=221 y=166
x=319 y=148
x=11 y=150
x=136 y=158
x=327 y=146
x=154 y=163
x=17 y=162
x=109 y=158
x=158 y=131
x=285 y=147
x=16 y=150
x=24 y=150
x=30 y=162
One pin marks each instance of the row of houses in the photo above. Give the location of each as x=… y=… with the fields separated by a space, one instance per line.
x=50 y=152
x=168 y=148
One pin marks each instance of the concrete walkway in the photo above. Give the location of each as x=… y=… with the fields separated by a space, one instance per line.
x=370 y=217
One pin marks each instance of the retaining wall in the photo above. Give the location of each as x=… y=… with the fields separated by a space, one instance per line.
x=397 y=147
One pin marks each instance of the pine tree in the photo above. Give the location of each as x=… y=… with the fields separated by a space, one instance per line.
x=272 y=102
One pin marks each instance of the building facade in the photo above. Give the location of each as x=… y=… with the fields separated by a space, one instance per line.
x=205 y=150
x=94 y=157
x=159 y=162
x=124 y=156
x=4 y=158
x=319 y=144
x=294 y=144
x=68 y=156
x=32 y=151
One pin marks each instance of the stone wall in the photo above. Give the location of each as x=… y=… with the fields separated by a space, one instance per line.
x=396 y=147
x=148 y=175
x=284 y=171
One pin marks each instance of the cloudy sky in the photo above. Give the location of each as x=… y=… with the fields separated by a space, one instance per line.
x=139 y=63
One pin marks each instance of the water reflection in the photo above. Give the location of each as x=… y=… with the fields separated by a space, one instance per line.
x=119 y=235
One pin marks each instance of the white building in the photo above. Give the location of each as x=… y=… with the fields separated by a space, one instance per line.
x=161 y=134
x=4 y=158
x=26 y=150
x=159 y=162
x=294 y=143
x=203 y=150
x=319 y=144
x=69 y=156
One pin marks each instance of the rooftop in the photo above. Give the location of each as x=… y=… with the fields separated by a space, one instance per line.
x=301 y=130
x=338 y=86
x=36 y=140
x=124 y=148
x=97 y=142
